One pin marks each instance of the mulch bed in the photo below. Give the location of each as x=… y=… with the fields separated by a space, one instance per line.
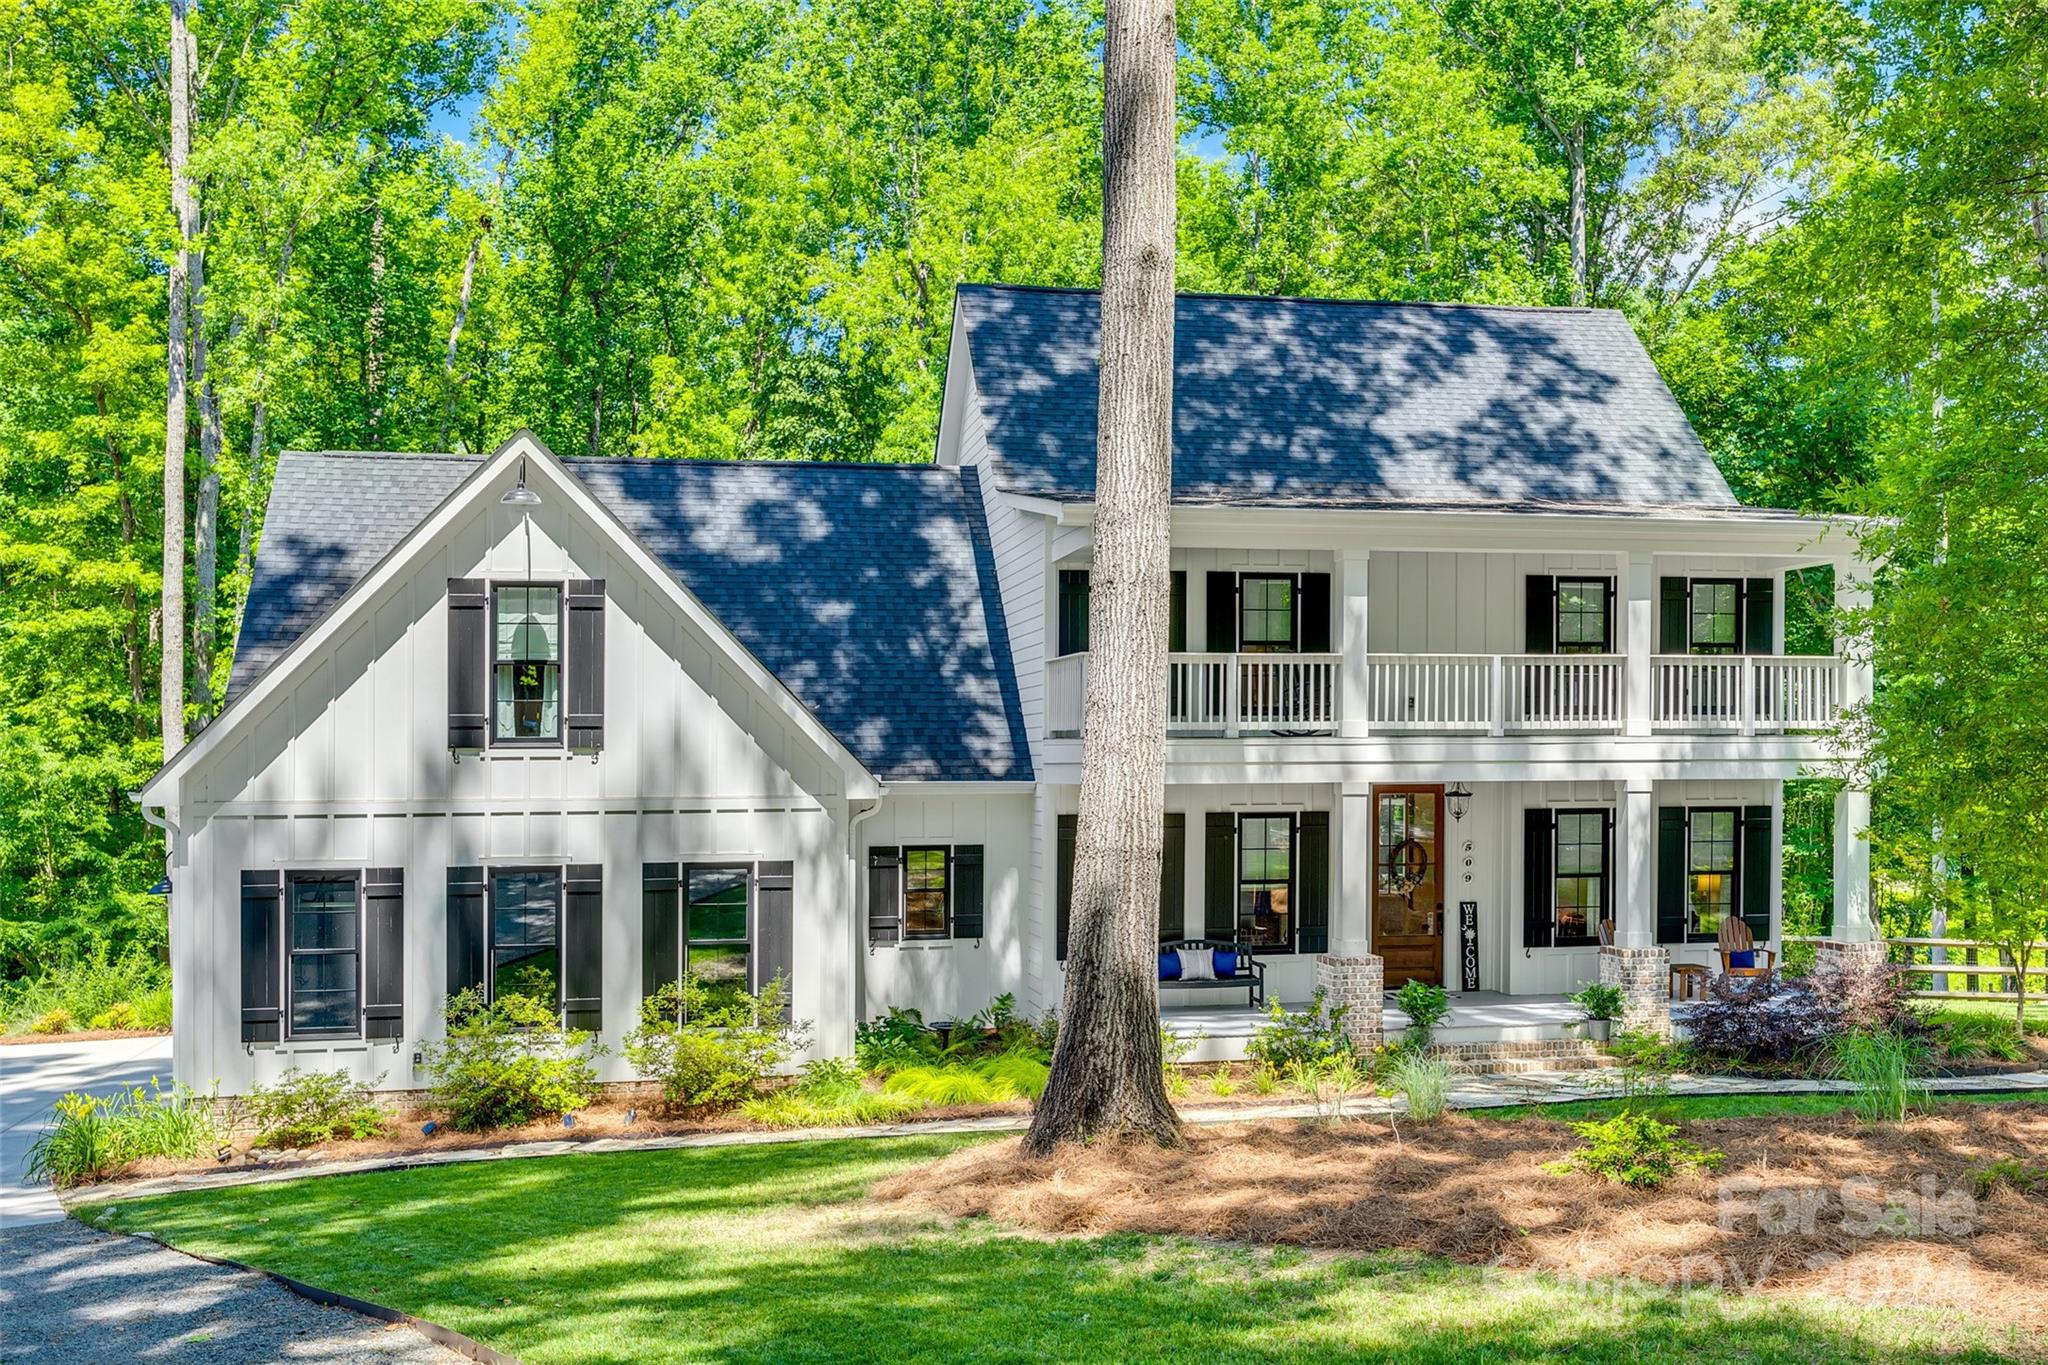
x=1813 y=1205
x=82 y=1035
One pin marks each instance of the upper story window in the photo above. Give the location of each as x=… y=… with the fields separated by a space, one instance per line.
x=1585 y=613
x=1715 y=616
x=1266 y=614
x=526 y=662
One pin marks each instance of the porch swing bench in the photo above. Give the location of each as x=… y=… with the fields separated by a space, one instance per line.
x=1235 y=968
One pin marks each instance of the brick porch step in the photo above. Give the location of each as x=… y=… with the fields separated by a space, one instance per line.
x=1517 y=1058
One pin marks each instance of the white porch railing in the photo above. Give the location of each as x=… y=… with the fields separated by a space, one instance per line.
x=1744 y=693
x=1217 y=694
x=1498 y=694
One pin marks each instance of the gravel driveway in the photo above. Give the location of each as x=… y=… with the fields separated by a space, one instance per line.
x=70 y=1294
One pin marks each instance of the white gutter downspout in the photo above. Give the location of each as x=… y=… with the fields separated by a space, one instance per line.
x=856 y=938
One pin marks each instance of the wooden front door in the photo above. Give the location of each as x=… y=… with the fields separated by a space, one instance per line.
x=1408 y=897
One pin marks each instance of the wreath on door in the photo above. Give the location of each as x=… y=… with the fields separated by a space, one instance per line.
x=1407 y=866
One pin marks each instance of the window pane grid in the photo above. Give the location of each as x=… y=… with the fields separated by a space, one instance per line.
x=717 y=953
x=1580 y=874
x=325 y=952
x=924 y=892
x=1582 y=615
x=1265 y=867
x=1266 y=613
x=1710 y=868
x=1713 y=612
x=525 y=936
x=527 y=662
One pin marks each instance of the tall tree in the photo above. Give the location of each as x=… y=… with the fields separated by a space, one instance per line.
x=1107 y=1074
x=185 y=210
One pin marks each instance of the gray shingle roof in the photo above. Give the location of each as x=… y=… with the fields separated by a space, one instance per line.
x=1301 y=402
x=869 y=590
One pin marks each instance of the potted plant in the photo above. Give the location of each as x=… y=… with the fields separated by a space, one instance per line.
x=1601 y=1003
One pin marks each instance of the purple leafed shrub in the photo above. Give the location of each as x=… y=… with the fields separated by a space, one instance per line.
x=1785 y=1019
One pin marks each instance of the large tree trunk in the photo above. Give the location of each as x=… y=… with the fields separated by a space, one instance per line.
x=1577 y=152
x=1106 y=1073
x=206 y=510
x=185 y=207
x=476 y=245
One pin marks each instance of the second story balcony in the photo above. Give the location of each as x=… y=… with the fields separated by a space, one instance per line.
x=1290 y=695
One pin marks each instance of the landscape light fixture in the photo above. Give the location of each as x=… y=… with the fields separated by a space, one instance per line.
x=521 y=495
x=1458 y=799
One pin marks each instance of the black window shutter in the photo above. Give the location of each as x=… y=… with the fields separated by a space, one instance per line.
x=1607 y=906
x=885 y=895
x=262 y=957
x=1222 y=613
x=775 y=928
x=1312 y=876
x=469 y=634
x=661 y=924
x=1315 y=613
x=584 y=655
x=465 y=929
x=583 y=947
x=1671 y=857
x=1675 y=628
x=1219 y=873
x=1173 y=877
x=1539 y=613
x=968 y=895
x=1607 y=640
x=384 y=952
x=1759 y=617
x=1539 y=882
x=1177 y=613
x=1073 y=611
x=1063 y=881
x=1757 y=854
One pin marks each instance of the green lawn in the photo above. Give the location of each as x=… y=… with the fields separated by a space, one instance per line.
x=773 y=1254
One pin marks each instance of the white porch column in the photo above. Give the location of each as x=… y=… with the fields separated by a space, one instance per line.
x=1852 y=594
x=1352 y=694
x=1854 y=922
x=1349 y=973
x=1639 y=636
x=1635 y=962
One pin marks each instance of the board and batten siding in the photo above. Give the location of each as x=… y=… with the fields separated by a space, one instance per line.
x=954 y=978
x=348 y=767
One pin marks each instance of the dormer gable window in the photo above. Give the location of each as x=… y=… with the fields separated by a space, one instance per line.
x=526 y=663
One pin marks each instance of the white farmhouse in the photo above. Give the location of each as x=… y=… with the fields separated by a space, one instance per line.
x=1477 y=677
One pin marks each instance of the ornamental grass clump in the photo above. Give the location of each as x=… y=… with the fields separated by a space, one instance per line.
x=507 y=1063
x=1882 y=1066
x=831 y=1094
x=1426 y=1084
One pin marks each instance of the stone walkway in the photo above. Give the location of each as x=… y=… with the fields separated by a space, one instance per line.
x=72 y=1295
x=1473 y=1092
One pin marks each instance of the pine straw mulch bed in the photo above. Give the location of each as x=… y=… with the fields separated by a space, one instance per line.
x=81 y=1035
x=1779 y=1216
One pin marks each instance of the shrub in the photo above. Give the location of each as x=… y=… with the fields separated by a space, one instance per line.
x=1759 y=1019
x=1862 y=994
x=707 y=1054
x=1328 y=1082
x=305 y=1108
x=508 y=1063
x=1315 y=1035
x=1634 y=1149
x=153 y=1010
x=58 y=1020
x=117 y=1016
x=97 y=1137
x=1426 y=1006
x=1598 y=1000
x=86 y=986
x=1425 y=1081
x=898 y=1039
x=1967 y=1036
x=1881 y=1065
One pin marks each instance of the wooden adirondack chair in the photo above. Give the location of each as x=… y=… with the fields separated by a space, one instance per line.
x=1736 y=938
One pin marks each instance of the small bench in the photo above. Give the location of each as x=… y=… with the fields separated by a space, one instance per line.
x=1250 y=975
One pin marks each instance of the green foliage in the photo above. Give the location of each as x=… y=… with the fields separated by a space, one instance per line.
x=1634 y=1149
x=117 y=1016
x=1328 y=1081
x=2030 y=1178
x=712 y=1053
x=1312 y=1036
x=1881 y=1065
x=306 y=1108
x=1598 y=1000
x=97 y=1138
x=992 y=1080
x=58 y=1020
x=1426 y=1006
x=1424 y=1081
x=898 y=1039
x=83 y=987
x=508 y=1063
x=1965 y=1036
x=829 y=1094
x=1220 y=1083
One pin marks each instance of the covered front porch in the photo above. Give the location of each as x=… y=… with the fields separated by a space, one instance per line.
x=1222 y=1032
